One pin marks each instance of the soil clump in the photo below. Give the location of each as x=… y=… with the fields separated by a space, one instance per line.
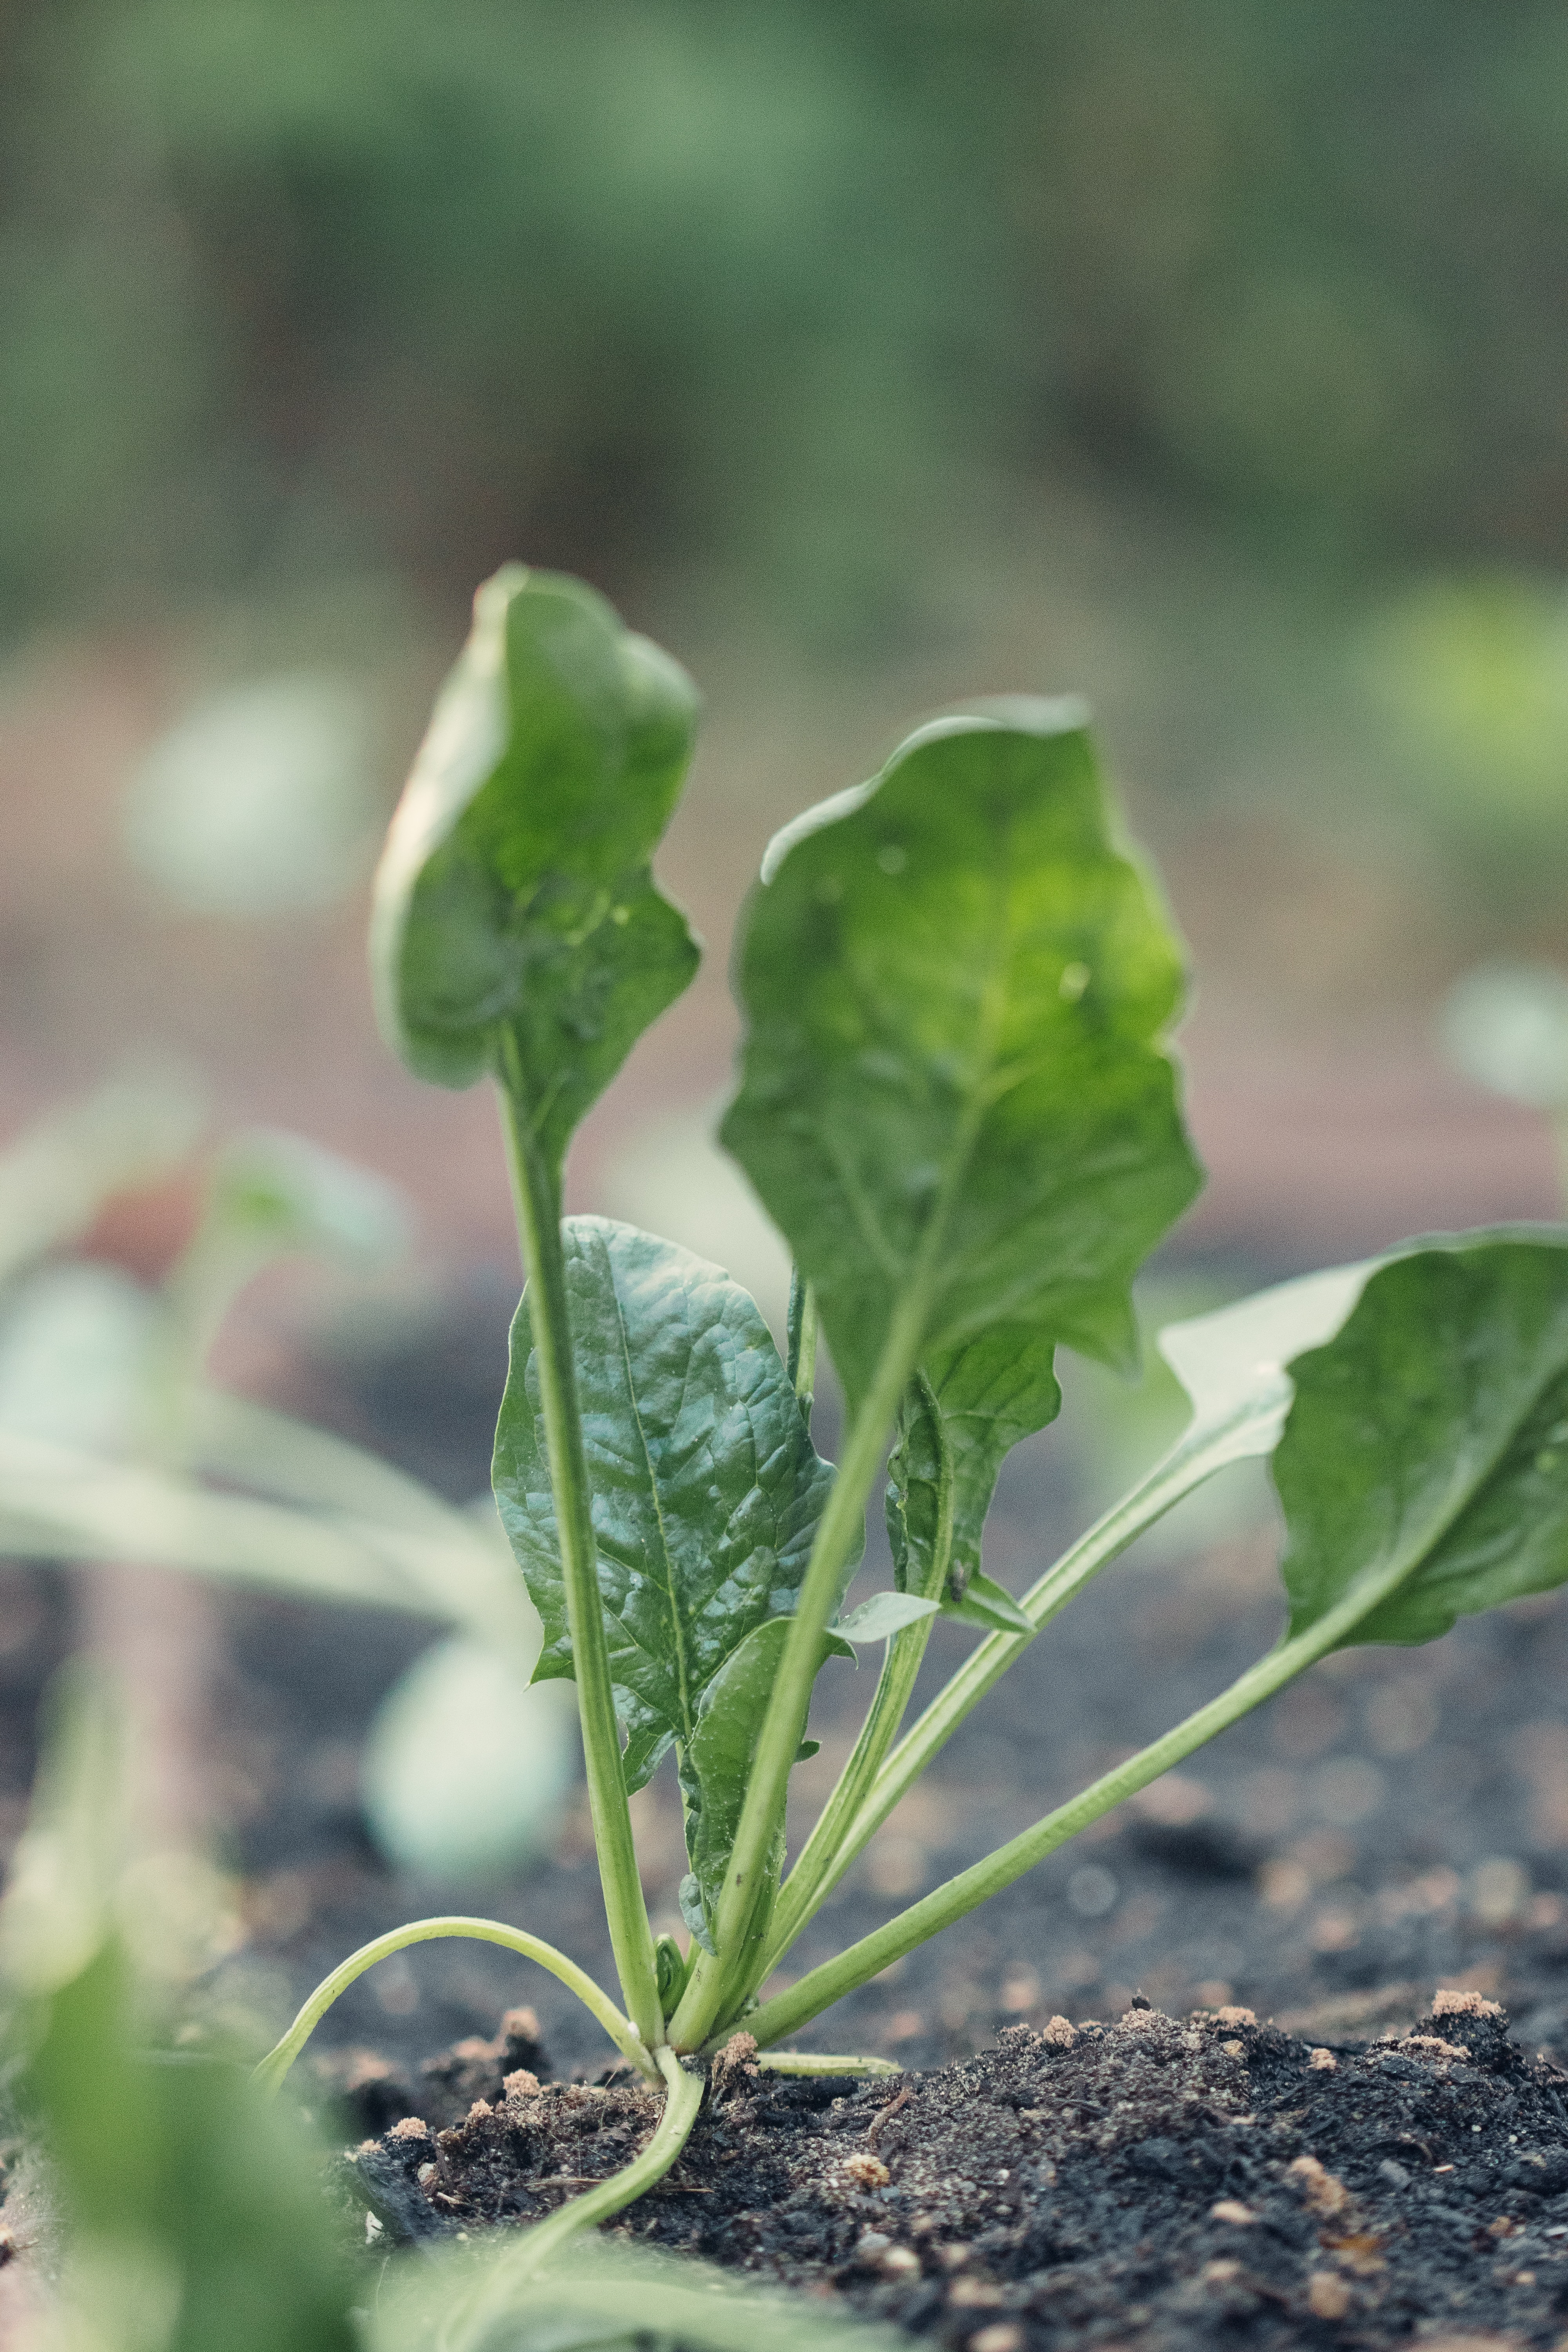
x=1152 y=2183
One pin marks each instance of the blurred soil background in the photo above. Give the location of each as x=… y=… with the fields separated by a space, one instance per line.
x=1208 y=360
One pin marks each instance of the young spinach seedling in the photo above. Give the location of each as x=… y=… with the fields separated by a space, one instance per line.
x=957 y=1103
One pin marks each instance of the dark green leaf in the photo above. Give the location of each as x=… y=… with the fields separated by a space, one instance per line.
x=670 y=1964
x=515 y=915
x=975 y=1405
x=706 y=1489
x=1425 y=1456
x=954 y=1086
x=716 y=1766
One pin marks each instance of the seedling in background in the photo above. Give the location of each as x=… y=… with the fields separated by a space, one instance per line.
x=957 y=1103
x=112 y=1434
x=1506 y=1026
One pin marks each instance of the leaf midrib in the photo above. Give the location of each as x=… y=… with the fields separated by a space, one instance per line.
x=674 y=1614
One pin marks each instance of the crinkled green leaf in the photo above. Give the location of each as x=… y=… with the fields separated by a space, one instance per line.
x=716 y=1768
x=515 y=913
x=1425 y=1459
x=976 y=1402
x=706 y=1486
x=954 y=1086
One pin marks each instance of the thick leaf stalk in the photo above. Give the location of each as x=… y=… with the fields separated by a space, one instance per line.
x=537 y=1202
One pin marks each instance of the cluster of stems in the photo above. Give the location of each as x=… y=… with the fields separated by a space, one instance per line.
x=757 y=1922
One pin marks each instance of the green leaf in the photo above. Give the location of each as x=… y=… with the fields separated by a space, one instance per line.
x=1425 y=1461
x=272 y=1194
x=60 y=1502
x=515 y=915
x=954 y=1097
x=77 y=1348
x=989 y=1605
x=885 y=1615
x=716 y=1767
x=973 y=1406
x=706 y=1486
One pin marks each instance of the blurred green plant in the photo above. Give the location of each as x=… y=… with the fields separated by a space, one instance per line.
x=194 y=2213
x=115 y=1447
x=1471 y=675
x=260 y=800
x=1506 y=1026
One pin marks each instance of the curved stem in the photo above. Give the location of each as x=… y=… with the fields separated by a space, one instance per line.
x=712 y=1984
x=1175 y=1475
x=277 y=2061
x=493 y=2298
x=537 y=1194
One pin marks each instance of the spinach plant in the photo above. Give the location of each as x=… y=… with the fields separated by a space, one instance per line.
x=957 y=1101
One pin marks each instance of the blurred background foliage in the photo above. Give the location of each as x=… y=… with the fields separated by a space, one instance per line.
x=807 y=302
x=392 y=284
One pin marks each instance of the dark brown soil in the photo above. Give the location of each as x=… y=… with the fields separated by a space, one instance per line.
x=1151 y=2184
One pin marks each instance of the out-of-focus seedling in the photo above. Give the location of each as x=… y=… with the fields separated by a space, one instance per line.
x=1506 y=1026
x=183 y=2213
x=116 y=1447
x=194 y=2216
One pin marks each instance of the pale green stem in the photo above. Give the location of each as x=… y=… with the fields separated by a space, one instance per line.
x=820 y=2062
x=493 y=2299
x=277 y=2061
x=537 y=1194
x=1175 y=1475
x=819 y=1864
x=704 y=1998
x=822 y=1986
